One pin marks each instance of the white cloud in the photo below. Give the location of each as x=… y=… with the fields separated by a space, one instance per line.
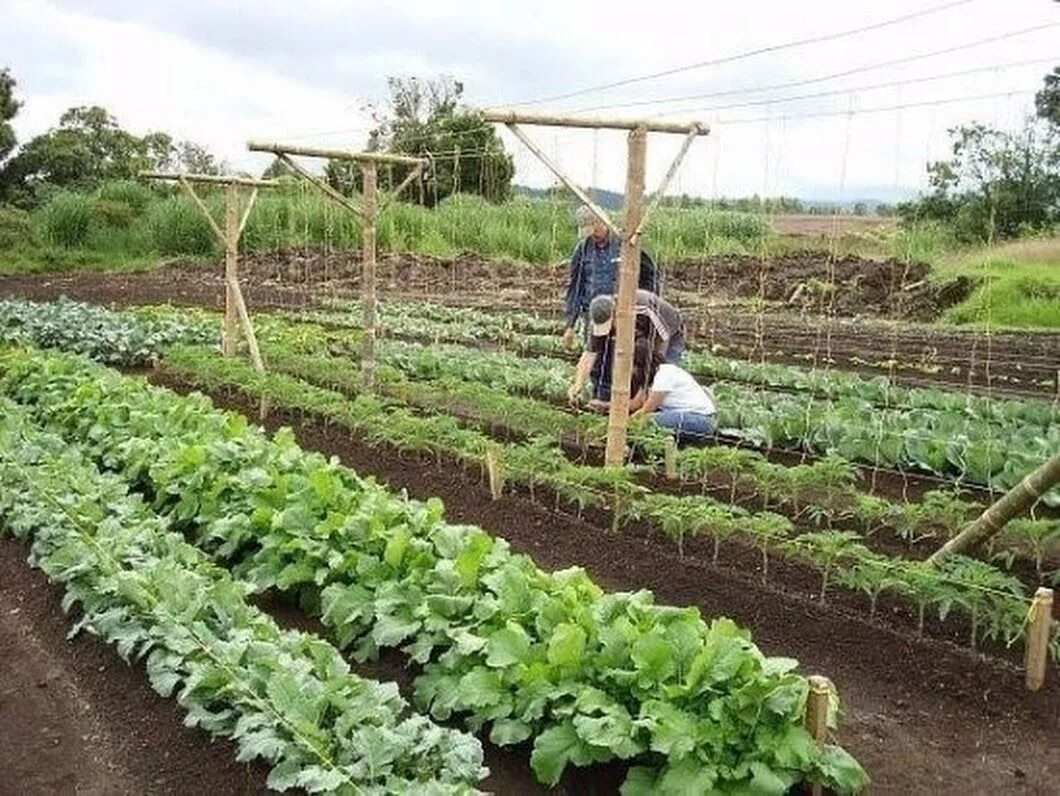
x=222 y=72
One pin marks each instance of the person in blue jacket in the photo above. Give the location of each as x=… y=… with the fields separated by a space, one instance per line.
x=594 y=268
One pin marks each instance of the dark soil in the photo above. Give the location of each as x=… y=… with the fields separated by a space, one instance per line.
x=923 y=715
x=75 y=718
x=813 y=326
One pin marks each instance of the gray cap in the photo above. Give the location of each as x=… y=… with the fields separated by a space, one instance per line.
x=584 y=216
x=601 y=311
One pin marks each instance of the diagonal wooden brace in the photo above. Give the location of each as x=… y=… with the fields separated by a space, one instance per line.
x=598 y=211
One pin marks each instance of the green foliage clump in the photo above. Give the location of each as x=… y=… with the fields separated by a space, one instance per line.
x=135 y=195
x=67 y=219
x=177 y=227
x=15 y=228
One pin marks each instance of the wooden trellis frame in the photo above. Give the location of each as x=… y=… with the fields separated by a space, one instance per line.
x=634 y=220
x=236 y=314
x=368 y=212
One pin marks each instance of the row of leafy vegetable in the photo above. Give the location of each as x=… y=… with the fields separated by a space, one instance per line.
x=282 y=696
x=588 y=675
x=116 y=338
x=995 y=448
x=993 y=601
x=823 y=492
x=530 y=334
x=948 y=445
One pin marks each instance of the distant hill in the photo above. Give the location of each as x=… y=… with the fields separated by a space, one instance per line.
x=612 y=200
x=609 y=200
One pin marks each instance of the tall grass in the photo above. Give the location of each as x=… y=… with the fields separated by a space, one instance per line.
x=128 y=220
x=1017 y=285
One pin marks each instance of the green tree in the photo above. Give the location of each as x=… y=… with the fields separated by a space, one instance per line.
x=8 y=109
x=1047 y=100
x=89 y=147
x=424 y=118
x=997 y=183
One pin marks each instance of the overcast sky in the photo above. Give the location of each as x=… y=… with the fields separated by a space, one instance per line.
x=222 y=72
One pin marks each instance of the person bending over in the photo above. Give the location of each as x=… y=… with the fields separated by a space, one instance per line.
x=671 y=397
x=655 y=320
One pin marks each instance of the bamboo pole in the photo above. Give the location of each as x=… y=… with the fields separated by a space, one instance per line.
x=671 y=458
x=246 y=212
x=1041 y=620
x=598 y=211
x=1013 y=503
x=817 y=714
x=670 y=174
x=396 y=192
x=248 y=327
x=221 y=236
x=621 y=371
x=231 y=238
x=495 y=472
x=368 y=297
x=345 y=201
x=219 y=179
x=331 y=154
x=508 y=116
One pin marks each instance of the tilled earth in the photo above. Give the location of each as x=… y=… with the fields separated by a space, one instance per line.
x=859 y=326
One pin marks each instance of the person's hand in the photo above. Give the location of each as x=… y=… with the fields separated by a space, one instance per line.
x=568 y=337
x=596 y=405
x=574 y=395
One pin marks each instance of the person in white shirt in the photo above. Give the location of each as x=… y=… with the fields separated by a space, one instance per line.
x=671 y=396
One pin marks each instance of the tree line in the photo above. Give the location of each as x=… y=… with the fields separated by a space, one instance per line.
x=995 y=184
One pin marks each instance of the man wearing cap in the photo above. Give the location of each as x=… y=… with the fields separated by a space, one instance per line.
x=594 y=269
x=655 y=320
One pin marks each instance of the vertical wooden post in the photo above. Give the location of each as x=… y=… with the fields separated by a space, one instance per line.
x=627 y=289
x=671 y=458
x=817 y=714
x=231 y=240
x=368 y=298
x=1041 y=620
x=495 y=470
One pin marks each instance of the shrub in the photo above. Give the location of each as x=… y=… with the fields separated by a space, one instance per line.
x=67 y=219
x=15 y=228
x=136 y=196
x=178 y=228
x=113 y=214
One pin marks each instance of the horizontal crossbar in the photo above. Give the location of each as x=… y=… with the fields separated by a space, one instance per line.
x=333 y=154
x=507 y=116
x=223 y=179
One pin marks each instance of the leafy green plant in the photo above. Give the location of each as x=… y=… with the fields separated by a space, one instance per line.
x=283 y=696
x=603 y=675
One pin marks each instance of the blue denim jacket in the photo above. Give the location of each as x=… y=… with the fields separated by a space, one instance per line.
x=594 y=272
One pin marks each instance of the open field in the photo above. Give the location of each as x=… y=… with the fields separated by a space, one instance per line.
x=796 y=530
x=831 y=225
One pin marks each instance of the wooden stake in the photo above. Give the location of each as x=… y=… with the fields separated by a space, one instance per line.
x=671 y=458
x=621 y=372
x=368 y=298
x=495 y=469
x=231 y=239
x=817 y=714
x=1041 y=620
